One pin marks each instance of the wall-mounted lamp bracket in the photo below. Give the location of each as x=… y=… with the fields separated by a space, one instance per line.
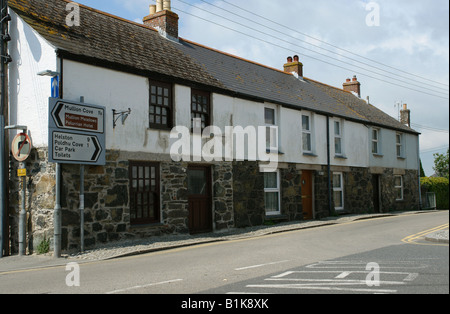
x=121 y=114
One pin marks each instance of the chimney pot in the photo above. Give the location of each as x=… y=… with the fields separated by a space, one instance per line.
x=296 y=59
x=159 y=5
x=354 y=78
x=152 y=9
x=289 y=59
x=166 y=5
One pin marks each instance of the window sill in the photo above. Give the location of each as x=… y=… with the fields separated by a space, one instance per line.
x=148 y=225
x=274 y=151
x=340 y=157
x=377 y=155
x=401 y=158
x=310 y=154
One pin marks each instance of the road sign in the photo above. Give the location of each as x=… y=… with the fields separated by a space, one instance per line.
x=55 y=86
x=76 y=133
x=21 y=147
x=22 y=172
x=75 y=148
x=75 y=116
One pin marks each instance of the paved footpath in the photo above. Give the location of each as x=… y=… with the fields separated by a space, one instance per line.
x=134 y=247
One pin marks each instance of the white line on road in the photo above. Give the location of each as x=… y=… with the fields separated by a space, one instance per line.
x=143 y=286
x=313 y=287
x=260 y=265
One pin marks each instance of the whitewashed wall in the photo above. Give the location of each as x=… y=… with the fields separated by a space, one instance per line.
x=28 y=92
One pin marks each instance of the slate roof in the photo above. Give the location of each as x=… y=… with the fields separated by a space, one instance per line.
x=106 y=40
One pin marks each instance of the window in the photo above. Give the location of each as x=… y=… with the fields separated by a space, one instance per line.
x=272 y=193
x=398 y=186
x=338 y=190
x=307 y=134
x=338 y=138
x=144 y=192
x=160 y=109
x=201 y=108
x=399 y=144
x=271 y=129
x=375 y=141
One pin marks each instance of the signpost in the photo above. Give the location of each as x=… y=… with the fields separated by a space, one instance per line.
x=21 y=148
x=76 y=133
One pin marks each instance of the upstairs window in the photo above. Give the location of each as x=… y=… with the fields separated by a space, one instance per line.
x=201 y=108
x=338 y=138
x=161 y=107
x=399 y=144
x=271 y=129
x=376 y=141
x=307 y=134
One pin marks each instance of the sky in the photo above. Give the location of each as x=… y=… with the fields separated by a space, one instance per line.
x=398 y=49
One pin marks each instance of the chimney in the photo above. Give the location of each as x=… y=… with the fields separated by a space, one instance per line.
x=294 y=66
x=352 y=85
x=405 y=115
x=163 y=19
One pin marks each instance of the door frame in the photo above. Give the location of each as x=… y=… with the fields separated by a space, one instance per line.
x=210 y=219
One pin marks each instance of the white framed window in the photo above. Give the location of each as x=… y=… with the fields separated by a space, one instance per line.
x=376 y=141
x=271 y=129
x=338 y=138
x=307 y=135
x=272 y=192
x=338 y=190
x=399 y=144
x=398 y=186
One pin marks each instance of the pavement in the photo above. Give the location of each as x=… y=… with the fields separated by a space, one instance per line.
x=10 y=264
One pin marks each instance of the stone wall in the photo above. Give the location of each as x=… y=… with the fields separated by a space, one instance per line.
x=248 y=194
x=107 y=212
x=291 y=195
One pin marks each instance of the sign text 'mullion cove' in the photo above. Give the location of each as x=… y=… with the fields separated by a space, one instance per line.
x=78 y=117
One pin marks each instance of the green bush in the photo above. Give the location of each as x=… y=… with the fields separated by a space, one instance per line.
x=439 y=186
x=44 y=246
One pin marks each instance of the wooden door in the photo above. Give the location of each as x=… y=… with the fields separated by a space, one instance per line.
x=307 y=194
x=199 y=197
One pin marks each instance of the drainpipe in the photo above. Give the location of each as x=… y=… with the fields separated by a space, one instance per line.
x=418 y=169
x=330 y=207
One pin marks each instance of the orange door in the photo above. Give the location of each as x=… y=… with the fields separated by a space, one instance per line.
x=307 y=194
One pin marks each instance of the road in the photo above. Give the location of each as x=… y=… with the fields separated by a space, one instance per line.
x=385 y=255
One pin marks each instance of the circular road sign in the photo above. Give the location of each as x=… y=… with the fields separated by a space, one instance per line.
x=21 y=147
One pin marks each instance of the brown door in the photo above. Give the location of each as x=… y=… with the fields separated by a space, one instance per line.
x=307 y=194
x=199 y=197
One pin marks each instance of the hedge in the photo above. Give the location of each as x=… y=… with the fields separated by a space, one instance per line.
x=438 y=186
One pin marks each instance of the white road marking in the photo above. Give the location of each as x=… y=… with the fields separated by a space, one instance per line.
x=143 y=286
x=260 y=265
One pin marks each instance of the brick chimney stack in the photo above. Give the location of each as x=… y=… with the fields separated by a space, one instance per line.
x=163 y=19
x=405 y=115
x=294 y=66
x=352 y=85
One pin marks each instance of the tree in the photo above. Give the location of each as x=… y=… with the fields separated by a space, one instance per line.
x=441 y=164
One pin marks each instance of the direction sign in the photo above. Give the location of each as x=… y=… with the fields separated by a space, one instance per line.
x=75 y=116
x=21 y=147
x=76 y=133
x=75 y=148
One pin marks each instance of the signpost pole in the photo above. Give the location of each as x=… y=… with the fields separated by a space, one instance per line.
x=23 y=217
x=82 y=207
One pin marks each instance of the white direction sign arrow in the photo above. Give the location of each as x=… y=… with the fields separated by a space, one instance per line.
x=76 y=148
x=78 y=117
